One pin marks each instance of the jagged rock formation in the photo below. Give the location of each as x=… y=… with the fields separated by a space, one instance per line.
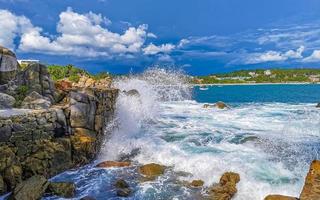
x=8 y=65
x=57 y=129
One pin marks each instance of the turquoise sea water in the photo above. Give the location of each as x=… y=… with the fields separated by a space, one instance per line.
x=284 y=93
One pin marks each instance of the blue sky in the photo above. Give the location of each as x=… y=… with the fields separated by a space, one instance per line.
x=201 y=37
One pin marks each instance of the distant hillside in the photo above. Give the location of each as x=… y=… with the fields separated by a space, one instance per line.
x=262 y=76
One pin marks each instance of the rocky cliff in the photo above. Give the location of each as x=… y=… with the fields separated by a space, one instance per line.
x=49 y=130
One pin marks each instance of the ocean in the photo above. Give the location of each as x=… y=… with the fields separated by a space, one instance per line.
x=269 y=136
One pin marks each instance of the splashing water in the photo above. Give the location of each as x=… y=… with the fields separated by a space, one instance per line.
x=270 y=144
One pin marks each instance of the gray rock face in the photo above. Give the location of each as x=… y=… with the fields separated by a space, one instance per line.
x=8 y=65
x=37 y=78
x=36 y=101
x=31 y=189
x=6 y=101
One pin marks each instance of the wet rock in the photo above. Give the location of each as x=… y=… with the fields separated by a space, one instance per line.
x=62 y=189
x=36 y=101
x=318 y=105
x=311 y=187
x=133 y=92
x=8 y=65
x=208 y=105
x=221 y=105
x=108 y=164
x=31 y=189
x=6 y=101
x=151 y=170
x=123 y=189
x=279 y=197
x=226 y=188
x=197 y=183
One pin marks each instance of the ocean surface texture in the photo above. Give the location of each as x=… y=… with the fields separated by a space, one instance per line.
x=269 y=136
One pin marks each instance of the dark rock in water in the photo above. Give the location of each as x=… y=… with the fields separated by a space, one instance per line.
x=123 y=189
x=8 y=65
x=311 y=187
x=152 y=170
x=221 y=105
x=62 y=189
x=129 y=156
x=87 y=198
x=318 y=105
x=133 y=92
x=31 y=189
x=226 y=188
x=108 y=164
x=121 y=184
x=279 y=197
x=6 y=101
x=124 y=192
x=197 y=183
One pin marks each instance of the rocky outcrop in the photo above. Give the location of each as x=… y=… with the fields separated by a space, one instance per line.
x=62 y=189
x=37 y=78
x=279 y=197
x=8 y=65
x=36 y=101
x=31 y=189
x=311 y=189
x=6 y=101
x=226 y=188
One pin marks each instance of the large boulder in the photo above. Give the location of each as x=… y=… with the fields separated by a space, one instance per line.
x=36 y=101
x=152 y=170
x=8 y=65
x=6 y=101
x=62 y=189
x=311 y=187
x=31 y=189
x=37 y=78
x=226 y=188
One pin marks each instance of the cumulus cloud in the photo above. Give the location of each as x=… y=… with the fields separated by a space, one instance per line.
x=272 y=56
x=314 y=57
x=152 y=49
x=78 y=35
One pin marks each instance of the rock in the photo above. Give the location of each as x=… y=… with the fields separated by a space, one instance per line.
x=31 y=189
x=133 y=92
x=311 y=187
x=152 y=170
x=197 y=183
x=208 y=105
x=318 y=105
x=3 y=186
x=121 y=184
x=226 y=188
x=221 y=105
x=5 y=133
x=63 y=85
x=36 y=101
x=123 y=189
x=62 y=189
x=279 y=197
x=6 y=101
x=37 y=78
x=108 y=164
x=8 y=65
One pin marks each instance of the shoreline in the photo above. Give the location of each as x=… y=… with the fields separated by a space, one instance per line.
x=228 y=84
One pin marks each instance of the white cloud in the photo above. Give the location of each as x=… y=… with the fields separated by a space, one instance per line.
x=152 y=49
x=314 y=57
x=78 y=35
x=273 y=56
x=11 y=26
x=183 y=42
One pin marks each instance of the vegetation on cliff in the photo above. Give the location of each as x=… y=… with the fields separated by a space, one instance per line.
x=261 y=76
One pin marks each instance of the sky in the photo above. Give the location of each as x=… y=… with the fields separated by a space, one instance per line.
x=198 y=36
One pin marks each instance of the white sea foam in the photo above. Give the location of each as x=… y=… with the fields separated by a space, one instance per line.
x=270 y=145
